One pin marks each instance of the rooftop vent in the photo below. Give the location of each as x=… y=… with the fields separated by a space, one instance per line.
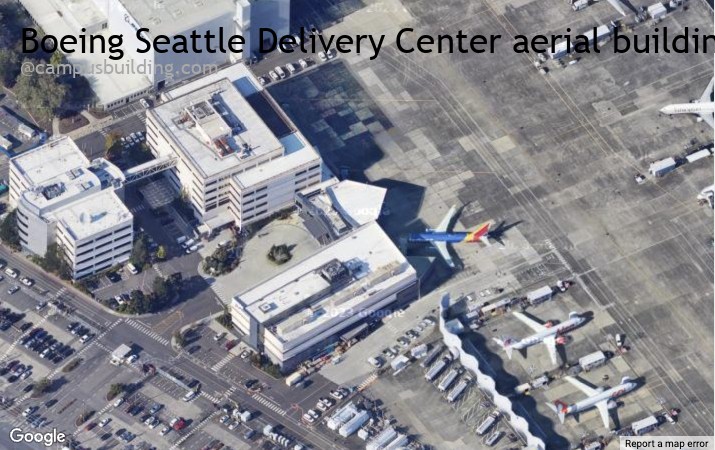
x=265 y=307
x=53 y=191
x=334 y=271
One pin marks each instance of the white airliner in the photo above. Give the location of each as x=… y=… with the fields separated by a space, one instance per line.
x=601 y=398
x=546 y=333
x=707 y=195
x=703 y=107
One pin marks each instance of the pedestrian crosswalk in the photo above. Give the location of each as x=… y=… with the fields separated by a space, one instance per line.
x=269 y=404
x=210 y=397
x=149 y=332
x=216 y=367
x=138 y=208
x=367 y=382
x=194 y=430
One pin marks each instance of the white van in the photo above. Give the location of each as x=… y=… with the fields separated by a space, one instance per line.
x=132 y=269
x=12 y=273
x=190 y=396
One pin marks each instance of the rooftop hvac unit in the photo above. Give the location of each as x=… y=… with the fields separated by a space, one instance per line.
x=334 y=271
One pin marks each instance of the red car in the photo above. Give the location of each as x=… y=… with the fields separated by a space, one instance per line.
x=230 y=344
x=180 y=425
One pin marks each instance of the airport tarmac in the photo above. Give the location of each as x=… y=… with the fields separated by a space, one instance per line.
x=556 y=154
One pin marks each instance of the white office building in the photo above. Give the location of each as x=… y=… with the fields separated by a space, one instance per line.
x=61 y=197
x=231 y=167
x=301 y=311
x=118 y=82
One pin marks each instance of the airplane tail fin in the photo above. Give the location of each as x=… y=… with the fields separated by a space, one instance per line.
x=559 y=408
x=505 y=344
x=480 y=233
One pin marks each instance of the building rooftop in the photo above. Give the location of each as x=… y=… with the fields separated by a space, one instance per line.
x=276 y=167
x=358 y=203
x=92 y=214
x=217 y=129
x=339 y=276
x=50 y=161
x=176 y=16
x=107 y=86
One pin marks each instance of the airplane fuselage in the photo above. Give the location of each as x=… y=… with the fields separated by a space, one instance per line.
x=555 y=330
x=608 y=394
x=437 y=236
x=689 y=108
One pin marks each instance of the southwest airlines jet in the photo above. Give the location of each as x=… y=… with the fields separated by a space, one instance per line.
x=440 y=237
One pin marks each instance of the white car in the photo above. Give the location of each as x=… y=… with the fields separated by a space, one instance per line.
x=85 y=338
x=303 y=63
x=263 y=80
x=308 y=418
x=313 y=413
x=291 y=68
x=233 y=425
x=281 y=73
x=322 y=56
x=104 y=422
x=190 y=396
x=132 y=358
x=274 y=75
x=27 y=281
x=219 y=336
x=144 y=103
x=164 y=431
x=332 y=53
x=118 y=402
x=26 y=374
x=224 y=419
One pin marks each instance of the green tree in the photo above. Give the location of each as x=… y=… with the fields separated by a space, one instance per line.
x=41 y=386
x=161 y=252
x=55 y=262
x=112 y=145
x=56 y=58
x=279 y=254
x=8 y=231
x=9 y=65
x=41 y=93
x=140 y=252
x=114 y=390
x=179 y=338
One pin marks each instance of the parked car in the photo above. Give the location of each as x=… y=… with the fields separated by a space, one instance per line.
x=27 y=281
x=13 y=289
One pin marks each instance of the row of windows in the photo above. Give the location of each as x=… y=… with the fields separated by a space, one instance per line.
x=128 y=227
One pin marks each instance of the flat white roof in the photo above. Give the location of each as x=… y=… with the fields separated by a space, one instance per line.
x=92 y=214
x=49 y=161
x=374 y=259
x=176 y=16
x=276 y=167
x=190 y=137
x=359 y=203
x=107 y=87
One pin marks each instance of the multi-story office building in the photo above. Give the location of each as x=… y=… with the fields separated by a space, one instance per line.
x=231 y=166
x=351 y=280
x=61 y=197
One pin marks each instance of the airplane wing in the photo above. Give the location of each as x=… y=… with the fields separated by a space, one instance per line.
x=550 y=343
x=443 y=252
x=706 y=98
x=603 y=410
x=707 y=118
x=618 y=5
x=444 y=224
x=534 y=325
x=583 y=387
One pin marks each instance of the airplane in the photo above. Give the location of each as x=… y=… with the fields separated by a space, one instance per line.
x=707 y=195
x=547 y=333
x=703 y=107
x=619 y=6
x=439 y=237
x=601 y=398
